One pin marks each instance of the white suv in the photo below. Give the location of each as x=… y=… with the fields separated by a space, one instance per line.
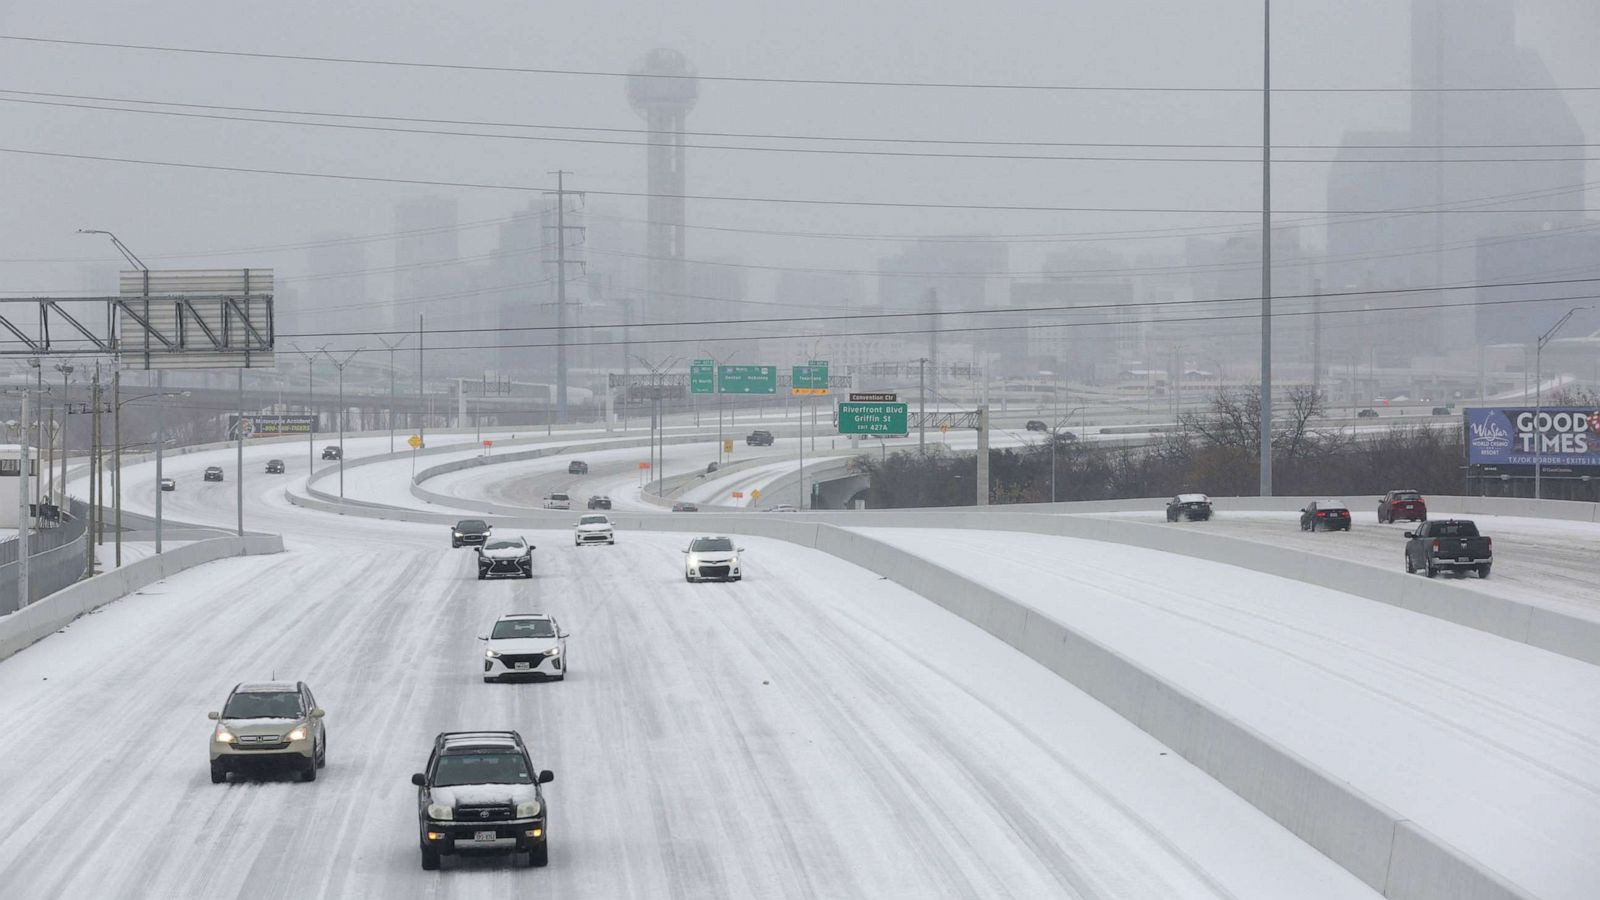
x=711 y=559
x=557 y=501
x=526 y=645
x=593 y=528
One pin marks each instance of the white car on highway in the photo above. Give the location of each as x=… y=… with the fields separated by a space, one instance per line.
x=593 y=528
x=711 y=559
x=525 y=645
x=557 y=501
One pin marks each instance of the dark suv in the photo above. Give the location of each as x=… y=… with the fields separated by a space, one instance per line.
x=212 y=473
x=470 y=533
x=577 y=467
x=274 y=467
x=759 y=439
x=480 y=795
x=331 y=452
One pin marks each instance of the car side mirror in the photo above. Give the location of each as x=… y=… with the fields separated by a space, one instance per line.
x=685 y=550
x=739 y=549
x=213 y=716
x=564 y=634
x=573 y=525
x=1411 y=534
x=420 y=780
x=483 y=637
x=546 y=776
x=318 y=713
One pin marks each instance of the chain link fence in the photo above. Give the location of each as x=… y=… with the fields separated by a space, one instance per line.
x=57 y=557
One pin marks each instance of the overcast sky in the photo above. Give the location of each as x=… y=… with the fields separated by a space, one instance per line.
x=1090 y=42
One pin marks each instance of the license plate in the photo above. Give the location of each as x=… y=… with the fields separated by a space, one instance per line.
x=520 y=666
x=1463 y=559
x=484 y=835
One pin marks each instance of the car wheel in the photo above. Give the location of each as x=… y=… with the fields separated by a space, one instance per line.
x=1380 y=517
x=481 y=576
x=612 y=542
x=539 y=856
x=1431 y=570
x=689 y=578
x=1423 y=518
x=309 y=773
x=1483 y=571
x=1410 y=569
x=430 y=858
x=490 y=679
x=219 y=772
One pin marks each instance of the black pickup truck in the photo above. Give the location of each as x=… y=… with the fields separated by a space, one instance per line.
x=1448 y=544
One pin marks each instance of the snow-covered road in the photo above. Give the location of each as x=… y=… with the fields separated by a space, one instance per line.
x=813 y=731
x=1490 y=744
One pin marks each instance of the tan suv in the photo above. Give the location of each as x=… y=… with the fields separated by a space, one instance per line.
x=266 y=726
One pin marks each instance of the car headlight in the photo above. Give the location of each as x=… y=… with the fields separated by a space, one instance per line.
x=531 y=808
x=223 y=737
x=440 y=811
x=553 y=651
x=693 y=571
x=491 y=654
x=299 y=733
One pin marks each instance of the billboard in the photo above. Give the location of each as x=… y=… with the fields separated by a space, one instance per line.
x=1557 y=436
x=270 y=424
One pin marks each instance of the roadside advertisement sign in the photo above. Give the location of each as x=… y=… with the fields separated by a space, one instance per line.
x=268 y=425
x=1554 y=436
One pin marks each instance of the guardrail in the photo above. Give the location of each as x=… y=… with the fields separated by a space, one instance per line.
x=32 y=623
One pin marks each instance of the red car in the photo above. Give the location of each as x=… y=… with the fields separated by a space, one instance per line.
x=1397 y=505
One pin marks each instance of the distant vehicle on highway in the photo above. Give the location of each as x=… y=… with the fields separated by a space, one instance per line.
x=1402 y=505
x=331 y=451
x=1367 y=414
x=594 y=528
x=711 y=559
x=505 y=558
x=599 y=502
x=269 y=725
x=577 y=467
x=168 y=484
x=712 y=467
x=212 y=473
x=783 y=507
x=683 y=506
x=1449 y=544
x=1441 y=411
x=1193 y=507
x=1036 y=425
x=479 y=794
x=529 y=645
x=470 y=533
x=1325 y=515
x=759 y=439
x=557 y=500
x=274 y=467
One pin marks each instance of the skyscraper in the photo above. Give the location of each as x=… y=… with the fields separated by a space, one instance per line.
x=663 y=89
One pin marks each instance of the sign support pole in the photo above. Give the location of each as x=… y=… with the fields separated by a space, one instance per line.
x=239 y=457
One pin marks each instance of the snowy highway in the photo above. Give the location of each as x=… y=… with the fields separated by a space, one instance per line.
x=812 y=731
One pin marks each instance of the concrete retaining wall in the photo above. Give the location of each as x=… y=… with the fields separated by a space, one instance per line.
x=33 y=623
x=1375 y=843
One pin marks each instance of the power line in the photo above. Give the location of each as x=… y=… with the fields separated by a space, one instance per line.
x=490 y=123
x=984 y=311
x=732 y=198
x=823 y=151
x=760 y=79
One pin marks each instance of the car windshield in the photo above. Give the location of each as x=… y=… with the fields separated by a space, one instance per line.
x=503 y=545
x=711 y=545
x=523 y=628
x=481 y=768
x=593 y=520
x=263 y=705
x=558 y=497
x=472 y=525
x=1408 y=496
x=1455 y=530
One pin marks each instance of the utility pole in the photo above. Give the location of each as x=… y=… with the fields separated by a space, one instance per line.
x=340 y=366
x=1316 y=335
x=421 y=416
x=933 y=338
x=161 y=439
x=561 y=289
x=94 y=467
x=238 y=475
x=311 y=404
x=983 y=455
x=1266 y=250
x=391 y=348
x=922 y=406
x=1538 y=398
x=116 y=457
x=24 y=589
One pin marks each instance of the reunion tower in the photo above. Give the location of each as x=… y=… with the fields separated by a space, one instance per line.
x=662 y=89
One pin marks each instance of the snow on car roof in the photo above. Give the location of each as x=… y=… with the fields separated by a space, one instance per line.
x=508 y=616
x=1193 y=498
x=266 y=687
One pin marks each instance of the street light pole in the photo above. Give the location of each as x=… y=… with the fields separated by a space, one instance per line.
x=391 y=348
x=161 y=440
x=1538 y=406
x=116 y=461
x=340 y=366
x=1266 y=250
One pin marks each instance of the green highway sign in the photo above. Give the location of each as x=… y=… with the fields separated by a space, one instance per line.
x=811 y=378
x=872 y=418
x=703 y=376
x=747 y=379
